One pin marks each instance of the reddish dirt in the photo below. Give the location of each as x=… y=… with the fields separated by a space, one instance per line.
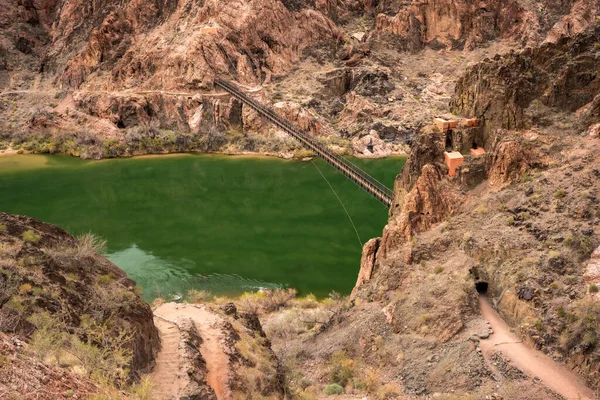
x=532 y=362
x=211 y=349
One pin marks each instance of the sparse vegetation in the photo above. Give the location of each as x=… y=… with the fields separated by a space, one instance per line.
x=333 y=388
x=342 y=368
x=30 y=236
x=559 y=194
x=198 y=296
x=266 y=300
x=593 y=288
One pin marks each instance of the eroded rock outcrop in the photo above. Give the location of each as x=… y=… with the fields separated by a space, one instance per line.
x=429 y=202
x=181 y=45
x=564 y=75
x=507 y=163
x=458 y=24
x=64 y=280
x=367 y=262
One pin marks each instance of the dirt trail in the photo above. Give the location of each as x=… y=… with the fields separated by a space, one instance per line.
x=532 y=362
x=166 y=373
x=211 y=349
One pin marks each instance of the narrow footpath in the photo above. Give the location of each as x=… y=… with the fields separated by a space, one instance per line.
x=167 y=371
x=532 y=362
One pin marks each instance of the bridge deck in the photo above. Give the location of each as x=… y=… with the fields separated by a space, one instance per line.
x=350 y=170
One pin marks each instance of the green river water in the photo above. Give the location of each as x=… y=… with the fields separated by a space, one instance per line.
x=224 y=224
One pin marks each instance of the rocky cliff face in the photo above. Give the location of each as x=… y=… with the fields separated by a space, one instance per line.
x=511 y=91
x=58 y=293
x=516 y=232
x=86 y=73
x=176 y=45
x=461 y=24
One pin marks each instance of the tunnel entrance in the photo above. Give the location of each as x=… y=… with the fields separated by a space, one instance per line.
x=481 y=287
x=449 y=140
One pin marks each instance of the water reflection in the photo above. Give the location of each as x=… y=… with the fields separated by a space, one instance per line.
x=171 y=279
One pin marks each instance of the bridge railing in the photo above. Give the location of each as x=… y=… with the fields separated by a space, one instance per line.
x=352 y=171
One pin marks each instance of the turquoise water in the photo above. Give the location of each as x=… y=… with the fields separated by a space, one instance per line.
x=225 y=224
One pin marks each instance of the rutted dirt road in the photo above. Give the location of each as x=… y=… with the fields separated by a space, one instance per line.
x=532 y=362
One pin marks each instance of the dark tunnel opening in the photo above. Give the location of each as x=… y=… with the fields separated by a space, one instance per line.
x=481 y=287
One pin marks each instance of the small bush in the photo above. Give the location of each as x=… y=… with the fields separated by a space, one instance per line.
x=482 y=209
x=439 y=269
x=334 y=388
x=266 y=301
x=198 y=296
x=105 y=280
x=30 y=236
x=510 y=221
x=560 y=194
x=593 y=288
x=25 y=288
x=159 y=301
x=342 y=368
x=2 y=227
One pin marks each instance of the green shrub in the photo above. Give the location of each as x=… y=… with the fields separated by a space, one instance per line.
x=510 y=221
x=593 y=288
x=30 y=236
x=104 y=280
x=334 y=388
x=2 y=227
x=559 y=194
x=342 y=368
x=439 y=269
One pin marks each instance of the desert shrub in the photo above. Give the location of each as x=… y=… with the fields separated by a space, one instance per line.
x=142 y=390
x=593 y=288
x=389 y=391
x=48 y=339
x=30 y=236
x=85 y=247
x=560 y=194
x=510 y=221
x=104 y=353
x=580 y=243
x=159 y=301
x=582 y=326
x=198 y=296
x=2 y=227
x=266 y=301
x=342 y=368
x=25 y=288
x=290 y=323
x=333 y=388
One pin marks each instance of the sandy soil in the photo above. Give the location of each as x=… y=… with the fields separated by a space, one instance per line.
x=532 y=362
x=208 y=325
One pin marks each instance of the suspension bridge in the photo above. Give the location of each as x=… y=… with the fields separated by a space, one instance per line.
x=369 y=184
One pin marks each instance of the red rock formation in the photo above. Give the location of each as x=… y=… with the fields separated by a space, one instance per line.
x=428 y=203
x=465 y=24
x=508 y=163
x=184 y=45
x=367 y=262
x=564 y=75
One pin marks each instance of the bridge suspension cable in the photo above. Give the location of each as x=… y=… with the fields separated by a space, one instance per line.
x=350 y=170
